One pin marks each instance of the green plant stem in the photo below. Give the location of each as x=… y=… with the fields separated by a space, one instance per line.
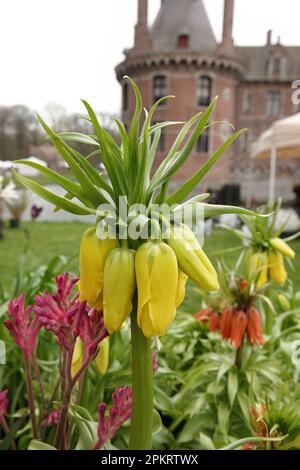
x=239 y=355
x=142 y=385
x=30 y=396
x=6 y=430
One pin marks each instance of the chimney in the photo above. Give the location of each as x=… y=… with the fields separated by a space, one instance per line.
x=227 y=45
x=141 y=41
x=269 y=37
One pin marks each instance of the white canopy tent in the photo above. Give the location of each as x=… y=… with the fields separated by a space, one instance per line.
x=281 y=140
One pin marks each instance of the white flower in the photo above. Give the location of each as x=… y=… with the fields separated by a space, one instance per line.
x=8 y=193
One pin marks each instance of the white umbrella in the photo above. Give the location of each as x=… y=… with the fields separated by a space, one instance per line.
x=281 y=140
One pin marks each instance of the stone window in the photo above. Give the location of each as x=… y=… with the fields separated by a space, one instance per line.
x=159 y=88
x=276 y=66
x=273 y=103
x=247 y=102
x=125 y=91
x=204 y=90
x=245 y=142
x=183 y=41
x=202 y=145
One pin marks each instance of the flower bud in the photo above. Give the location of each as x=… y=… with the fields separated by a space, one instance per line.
x=280 y=245
x=101 y=361
x=284 y=302
x=119 y=286
x=157 y=282
x=93 y=253
x=191 y=258
x=277 y=268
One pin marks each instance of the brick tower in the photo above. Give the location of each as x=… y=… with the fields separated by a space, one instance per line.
x=179 y=55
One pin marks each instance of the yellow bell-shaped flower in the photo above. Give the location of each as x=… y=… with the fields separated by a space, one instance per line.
x=77 y=358
x=280 y=245
x=180 y=294
x=157 y=281
x=93 y=253
x=259 y=268
x=101 y=361
x=277 y=269
x=191 y=258
x=119 y=287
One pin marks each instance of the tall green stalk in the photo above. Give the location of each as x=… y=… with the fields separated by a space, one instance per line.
x=142 y=385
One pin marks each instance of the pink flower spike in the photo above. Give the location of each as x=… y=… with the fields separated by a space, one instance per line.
x=22 y=328
x=118 y=414
x=3 y=404
x=60 y=312
x=90 y=327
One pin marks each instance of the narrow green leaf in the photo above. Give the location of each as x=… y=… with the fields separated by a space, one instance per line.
x=182 y=193
x=89 y=189
x=232 y=386
x=72 y=188
x=173 y=166
x=112 y=163
x=39 y=445
x=53 y=198
x=78 y=137
x=134 y=135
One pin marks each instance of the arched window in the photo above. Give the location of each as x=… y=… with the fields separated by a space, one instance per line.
x=159 y=88
x=247 y=101
x=273 y=103
x=204 y=90
x=202 y=145
x=125 y=91
x=276 y=66
x=183 y=41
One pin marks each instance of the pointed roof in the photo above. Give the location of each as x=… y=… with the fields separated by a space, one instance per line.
x=177 y=17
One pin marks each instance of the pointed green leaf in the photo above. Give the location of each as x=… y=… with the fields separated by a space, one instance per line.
x=53 y=198
x=78 y=137
x=66 y=184
x=185 y=189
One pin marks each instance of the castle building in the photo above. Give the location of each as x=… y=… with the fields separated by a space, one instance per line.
x=180 y=55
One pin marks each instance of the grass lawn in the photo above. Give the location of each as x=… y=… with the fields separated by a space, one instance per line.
x=48 y=239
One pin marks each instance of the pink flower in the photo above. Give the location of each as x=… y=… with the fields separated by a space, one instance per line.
x=3 y=404
x=52 y=418
x=68 y=318
x=118 y=414
x=89 y=325
x=22 y=328
x=58 y=312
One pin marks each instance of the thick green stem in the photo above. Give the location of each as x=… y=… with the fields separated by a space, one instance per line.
x=142 y=385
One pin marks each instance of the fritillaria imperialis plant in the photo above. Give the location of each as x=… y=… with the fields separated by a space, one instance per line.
x=138 y=273
x=267 y=251
x=233 y=311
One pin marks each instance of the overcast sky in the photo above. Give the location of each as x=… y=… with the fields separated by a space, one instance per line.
x=64 y=50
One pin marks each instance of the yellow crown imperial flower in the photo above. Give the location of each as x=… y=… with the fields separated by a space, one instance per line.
x=157 y=281
x=191 y=258
x=280 y=245
x=259 y=268
x=93 y=253
x=101 y=361
x=277 y=269
x=119 y=287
